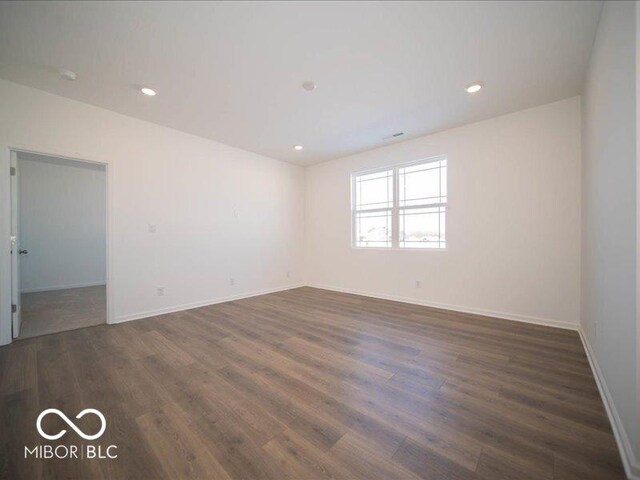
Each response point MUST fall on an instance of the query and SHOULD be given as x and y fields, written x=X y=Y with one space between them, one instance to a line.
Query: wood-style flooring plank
x=308 y=384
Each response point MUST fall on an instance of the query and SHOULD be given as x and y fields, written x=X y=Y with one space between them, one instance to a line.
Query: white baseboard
x=629 y=461
x=203 y=303
x=62 y=287
x=458 y=308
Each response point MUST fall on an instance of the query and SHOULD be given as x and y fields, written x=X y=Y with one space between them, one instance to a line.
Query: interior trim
x=630 y=463
x=63 y=287
x=203 y=303
x=458 y=308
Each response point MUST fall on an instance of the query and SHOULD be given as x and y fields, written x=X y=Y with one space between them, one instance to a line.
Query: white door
x=15 y=249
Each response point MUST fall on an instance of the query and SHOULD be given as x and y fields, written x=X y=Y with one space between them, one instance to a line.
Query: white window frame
x=395 y=209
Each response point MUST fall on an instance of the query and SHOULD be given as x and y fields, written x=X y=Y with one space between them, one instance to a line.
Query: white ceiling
x=232 y=72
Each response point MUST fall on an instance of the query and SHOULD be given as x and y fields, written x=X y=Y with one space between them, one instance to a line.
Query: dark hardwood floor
x=310 y=384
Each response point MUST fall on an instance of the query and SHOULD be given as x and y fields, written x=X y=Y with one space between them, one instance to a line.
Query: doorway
x=58 y=244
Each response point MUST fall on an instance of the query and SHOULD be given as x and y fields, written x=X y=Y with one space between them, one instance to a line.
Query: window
x=403 y=206
x=373 y=208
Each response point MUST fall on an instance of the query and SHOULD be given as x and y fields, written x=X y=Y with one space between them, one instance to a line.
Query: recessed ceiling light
x=148 y=91
x=298 y=147
x=474 y=87
x=309 y=86
x=67 y=74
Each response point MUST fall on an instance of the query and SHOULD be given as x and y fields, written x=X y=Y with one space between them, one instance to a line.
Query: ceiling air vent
x=395 y=135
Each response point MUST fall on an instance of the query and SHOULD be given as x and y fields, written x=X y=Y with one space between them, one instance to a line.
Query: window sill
x=398 y=249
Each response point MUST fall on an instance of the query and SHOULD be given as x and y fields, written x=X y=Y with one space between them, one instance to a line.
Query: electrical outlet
x=160 y=291
x=418 y=284
x=232 y=281
x=152 y=228
x=288 y=274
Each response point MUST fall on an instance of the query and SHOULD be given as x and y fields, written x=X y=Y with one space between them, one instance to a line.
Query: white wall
x=637 y=449
x=219 y=212
x=512 y=220
x=62 y=223
x=609 y=215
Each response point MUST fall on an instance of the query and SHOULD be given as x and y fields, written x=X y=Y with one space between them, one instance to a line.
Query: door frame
x=15 y=247
x=5 y=228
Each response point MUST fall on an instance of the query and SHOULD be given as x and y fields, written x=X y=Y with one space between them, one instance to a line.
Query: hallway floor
x=60 y=310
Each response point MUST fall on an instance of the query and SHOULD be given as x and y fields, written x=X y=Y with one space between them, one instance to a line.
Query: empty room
x=313 y=240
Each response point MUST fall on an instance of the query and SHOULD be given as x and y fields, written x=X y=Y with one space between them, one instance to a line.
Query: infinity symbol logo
x=71 y=424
